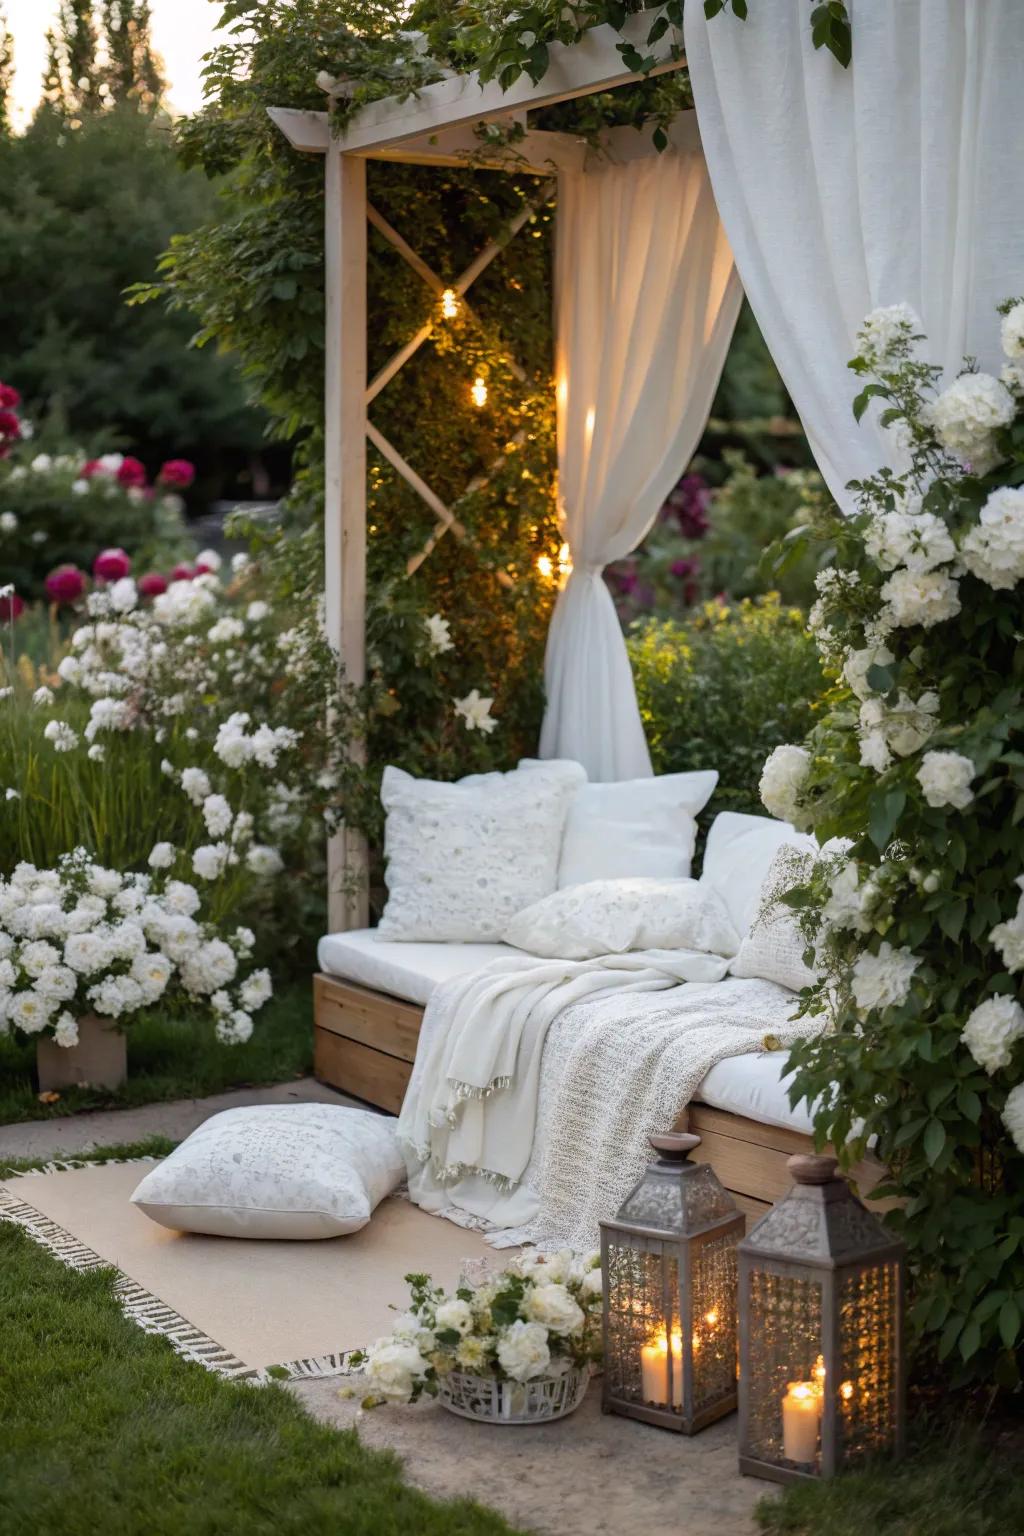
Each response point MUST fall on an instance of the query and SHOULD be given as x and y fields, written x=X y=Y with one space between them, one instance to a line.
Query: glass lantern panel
x=868 y=1401
x=785 y=1369
x=642 y=1286
x=714 y=1321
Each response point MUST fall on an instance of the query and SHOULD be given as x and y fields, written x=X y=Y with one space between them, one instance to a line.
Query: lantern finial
x=807 y=1168
x=674 y=1146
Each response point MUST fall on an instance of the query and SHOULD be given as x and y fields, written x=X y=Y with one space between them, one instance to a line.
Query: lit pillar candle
x=654 y=1365
x=801 y=1410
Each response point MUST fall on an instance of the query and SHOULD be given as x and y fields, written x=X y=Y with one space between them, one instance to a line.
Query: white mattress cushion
x=737 y=857
x=410 y=971
x=754 y=1086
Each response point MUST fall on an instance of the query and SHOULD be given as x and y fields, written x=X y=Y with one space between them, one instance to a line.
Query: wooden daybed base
x=365 y=1045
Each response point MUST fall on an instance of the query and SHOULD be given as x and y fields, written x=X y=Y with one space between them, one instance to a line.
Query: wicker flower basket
x=510 y=1402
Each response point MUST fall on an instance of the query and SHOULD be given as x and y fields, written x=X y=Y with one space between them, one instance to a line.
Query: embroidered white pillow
x=635 y=827
x=276 y=1171
x=464 y=858
x=610 y=917
x=774 y=948
x=737 y=857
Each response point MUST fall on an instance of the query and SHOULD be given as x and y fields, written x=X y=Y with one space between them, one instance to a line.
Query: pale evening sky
x=183 y=30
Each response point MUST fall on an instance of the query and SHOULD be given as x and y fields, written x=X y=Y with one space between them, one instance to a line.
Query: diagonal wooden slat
x=415 y=561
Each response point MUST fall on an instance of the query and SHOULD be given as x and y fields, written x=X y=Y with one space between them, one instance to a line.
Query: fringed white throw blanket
x=492 y=1140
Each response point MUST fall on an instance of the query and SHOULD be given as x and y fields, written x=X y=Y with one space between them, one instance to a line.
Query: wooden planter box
x=99 y=1060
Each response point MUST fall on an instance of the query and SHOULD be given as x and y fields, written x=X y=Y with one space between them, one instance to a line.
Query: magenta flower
x=131 y=472
x=177 y=474
x=111 y=564
x=11 y=607
x=65 y=584
x=152 y=584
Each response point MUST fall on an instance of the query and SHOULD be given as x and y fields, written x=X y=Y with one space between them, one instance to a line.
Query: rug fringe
x=147 y=1311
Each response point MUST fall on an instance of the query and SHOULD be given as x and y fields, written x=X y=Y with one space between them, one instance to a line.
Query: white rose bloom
x=177 y=936
x=859 y=663
x=883 y=980
x=991 y=1030
x=263 y=860
x=226 y=630
x=1008 y=937
x=593 y=1283
x=1013 y=1115
x=152 y=971
x=96 y=752
x=885 y=326
x=161 y=856
x=86 y=953
x=555 y=1308
x=968 y=413
x=782 y=780
x=195 y=784
x=115 y=995
x=454 y=1314
x=904 y=726
x=235 y=1029
x=29 y=1011
x=43 y=697
x=920 y=597
x=1011 y=332
x=1012 y=375
x=472 y=1354
x=920 y=542
x=38 y=957
x=244 y=939
x=220 y=1002
x=257 y=611
x=945 y=778
x=210 y=558
x=475 y=712
x=180 y=897
x=8 y=522
x=123 y=595
x=848 y=901
x=523 y=1351
x=216 y=814
x=256 y=990
x=57 y=984
x=993 y=550
x=65 y=1031
x=61 y=736
x=392 y=1368
x=439 y=634
x=104 y=882
x=210 y=861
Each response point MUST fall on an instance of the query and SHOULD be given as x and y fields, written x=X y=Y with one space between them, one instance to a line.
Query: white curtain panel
x=900 y=178
x=646 y=301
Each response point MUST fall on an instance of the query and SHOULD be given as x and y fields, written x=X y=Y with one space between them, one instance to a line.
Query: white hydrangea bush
x=80 y=939
x=538 y=1318
x=917 y=927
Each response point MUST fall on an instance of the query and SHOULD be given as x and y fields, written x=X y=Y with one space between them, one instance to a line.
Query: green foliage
x=724 y=688
x=86 y=213
x=106 y=1429
x=931 y=883
x=6 y=73
x=171 y=1057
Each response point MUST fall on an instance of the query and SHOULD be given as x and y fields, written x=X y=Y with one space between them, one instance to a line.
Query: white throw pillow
x=277 y=1171
x=773 y=950
x=635 y=827
x=464 y=858
x=737 y=856
x=610 y=917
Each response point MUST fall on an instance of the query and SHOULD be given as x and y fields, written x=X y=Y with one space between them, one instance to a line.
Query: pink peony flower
x=10 y=426
x=178 y=474
x=183 y=572
x=65 y=584
x=152 y=584
x=131 y=472
x=11 y=608
x=111 y=565
x=10 y=398
x=90 y=468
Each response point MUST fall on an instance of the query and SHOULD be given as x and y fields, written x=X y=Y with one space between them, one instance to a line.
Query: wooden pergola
x=438 y=127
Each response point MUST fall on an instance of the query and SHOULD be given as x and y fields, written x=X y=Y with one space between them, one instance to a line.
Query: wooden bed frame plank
x=365 y=1044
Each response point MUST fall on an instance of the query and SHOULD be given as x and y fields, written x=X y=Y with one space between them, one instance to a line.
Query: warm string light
x=449 y=304
x=479 y=393
x=553 y=567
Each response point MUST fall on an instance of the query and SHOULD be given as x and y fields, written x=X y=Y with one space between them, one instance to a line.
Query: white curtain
x=900 y=178
x=646 y=302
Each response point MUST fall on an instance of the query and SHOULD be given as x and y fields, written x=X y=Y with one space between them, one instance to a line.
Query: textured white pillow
x=635 y=827
x=609 y=917
x=773 y=950
x=277 y=1171
x=463 y=858
x=737 y=856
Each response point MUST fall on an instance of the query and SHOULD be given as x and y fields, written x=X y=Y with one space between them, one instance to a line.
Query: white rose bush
x=916 y=930
x=80 y=940
x=535 y=1320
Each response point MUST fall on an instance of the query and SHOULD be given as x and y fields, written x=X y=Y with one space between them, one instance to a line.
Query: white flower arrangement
x=782 y=780
x=81 y=939
x=539 y=1318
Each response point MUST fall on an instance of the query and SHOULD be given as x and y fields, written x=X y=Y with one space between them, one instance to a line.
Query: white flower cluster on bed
x=540 y=1317
x=81 y=939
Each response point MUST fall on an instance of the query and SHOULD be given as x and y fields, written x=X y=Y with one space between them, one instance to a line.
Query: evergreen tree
x=6 y=74
x=72 y=77
x=134 y=72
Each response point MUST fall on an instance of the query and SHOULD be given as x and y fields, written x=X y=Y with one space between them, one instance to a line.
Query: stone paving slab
x=177 y=1119
x=588 y=1475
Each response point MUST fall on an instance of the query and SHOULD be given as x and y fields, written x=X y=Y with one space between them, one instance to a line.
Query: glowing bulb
x=846 y=1391
x=449 y=304
x=479 y=393
x=711 y=1318
x=545 y=566
x=564 y=561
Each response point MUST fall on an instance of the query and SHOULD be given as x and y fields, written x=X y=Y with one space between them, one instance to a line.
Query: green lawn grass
x=106 y=1430
x=174 y=1059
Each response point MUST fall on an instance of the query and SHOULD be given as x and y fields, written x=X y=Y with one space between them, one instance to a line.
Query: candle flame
x=802 y=1390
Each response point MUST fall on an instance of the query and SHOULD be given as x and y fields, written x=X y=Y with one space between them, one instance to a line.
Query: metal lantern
x=821 y=1332
x=669 y=1266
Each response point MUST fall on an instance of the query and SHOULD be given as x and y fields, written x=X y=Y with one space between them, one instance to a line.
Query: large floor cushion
x=409 y=971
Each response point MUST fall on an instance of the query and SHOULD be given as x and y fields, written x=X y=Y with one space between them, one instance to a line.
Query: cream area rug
x=244 y=1308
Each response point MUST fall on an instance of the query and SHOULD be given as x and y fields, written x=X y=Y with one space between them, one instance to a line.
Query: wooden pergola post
x=345 y=486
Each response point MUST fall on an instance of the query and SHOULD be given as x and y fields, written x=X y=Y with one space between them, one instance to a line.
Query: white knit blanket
x=537 y=1083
